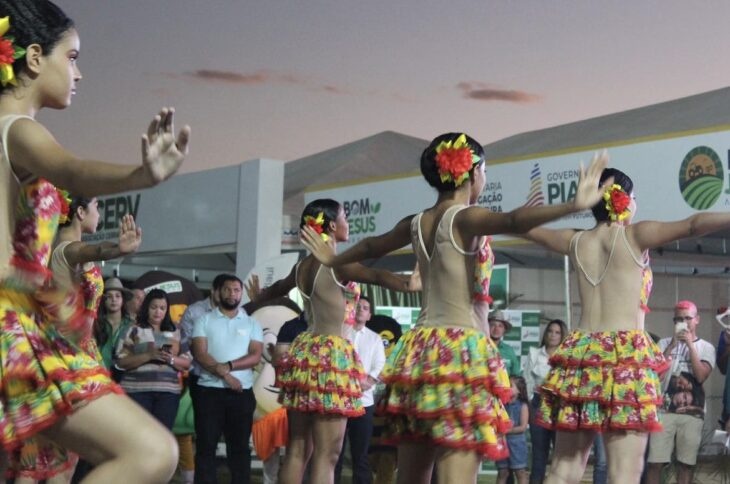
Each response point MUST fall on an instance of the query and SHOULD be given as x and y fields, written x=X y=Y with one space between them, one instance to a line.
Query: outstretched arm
x=380 y=277
x=34 y=151
x=368 y=248
x=481 y=221
x=650 y=234
x=278 y=289
x=130 y=236
x=555 y=240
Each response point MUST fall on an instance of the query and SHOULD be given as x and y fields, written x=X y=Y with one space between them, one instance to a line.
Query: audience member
x=113 y=323
x=682 y=431
x=723 y=351
x=227 y=343
x=519 y=414
x=369 y=347
x=134 y=302
x=498 y=327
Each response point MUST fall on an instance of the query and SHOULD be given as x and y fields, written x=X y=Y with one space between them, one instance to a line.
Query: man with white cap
x=499 y=325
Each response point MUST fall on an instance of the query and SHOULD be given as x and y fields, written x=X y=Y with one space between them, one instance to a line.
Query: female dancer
x=72 y=264
x=320 y=375
x=445 y=376
x=49 y=384
x=604 y=376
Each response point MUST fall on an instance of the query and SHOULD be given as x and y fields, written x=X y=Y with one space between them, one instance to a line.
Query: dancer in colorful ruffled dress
x=604 y=375
x=320 y=375
x=73 y=268
x=446 y=381
x=50 y=383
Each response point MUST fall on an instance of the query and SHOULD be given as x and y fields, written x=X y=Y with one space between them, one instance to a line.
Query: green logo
x=376 y=207
x=701 y=178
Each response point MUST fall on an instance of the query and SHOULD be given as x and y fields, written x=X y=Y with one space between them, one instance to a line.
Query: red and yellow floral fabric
x=483 y=271
x=603 y=381
x=321 y=374
x=447 y=385
x=44 y=376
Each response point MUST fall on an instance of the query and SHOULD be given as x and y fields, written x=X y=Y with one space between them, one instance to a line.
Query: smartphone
x=680 y=327
x=168 y=347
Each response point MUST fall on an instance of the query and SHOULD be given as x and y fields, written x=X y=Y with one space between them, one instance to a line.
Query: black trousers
x=359 y=432
x=223 y=411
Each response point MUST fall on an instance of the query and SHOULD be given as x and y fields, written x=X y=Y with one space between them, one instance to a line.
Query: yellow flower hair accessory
x=617 y=202
x=454 y=159
x=9 y=53
x=64 y=213
x=317 y=224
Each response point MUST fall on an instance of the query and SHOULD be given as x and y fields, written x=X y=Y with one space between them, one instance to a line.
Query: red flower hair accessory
x=617 y=202
x=9 y=52
x=317 y=224
x=454 y=159
x=65 y=198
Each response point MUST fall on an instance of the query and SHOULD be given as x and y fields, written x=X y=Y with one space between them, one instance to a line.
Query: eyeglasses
x=681 y=319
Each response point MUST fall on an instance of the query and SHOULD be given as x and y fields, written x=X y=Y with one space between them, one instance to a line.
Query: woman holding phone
x=150 y=355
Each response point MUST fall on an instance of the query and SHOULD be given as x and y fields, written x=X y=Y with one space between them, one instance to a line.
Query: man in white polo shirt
x=369 y=347
x=227 y=344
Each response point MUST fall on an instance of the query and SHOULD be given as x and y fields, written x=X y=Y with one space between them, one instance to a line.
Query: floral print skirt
x=446 y=386
x=606 y=380
x=321 y=374
x=42 y=375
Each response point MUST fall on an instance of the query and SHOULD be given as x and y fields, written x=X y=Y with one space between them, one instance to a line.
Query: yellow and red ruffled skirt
x=321 y=374
x=447 y=386
x=606 y=380
x=43 y=376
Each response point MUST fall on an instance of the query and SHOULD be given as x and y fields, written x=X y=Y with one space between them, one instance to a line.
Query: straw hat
x=499 y=316
x=114 y=284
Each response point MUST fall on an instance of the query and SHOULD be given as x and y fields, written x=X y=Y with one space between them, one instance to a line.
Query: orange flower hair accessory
x=317 y=224
x=617 y=202
x=65 y=198
x=9 y=52
x=454 y=159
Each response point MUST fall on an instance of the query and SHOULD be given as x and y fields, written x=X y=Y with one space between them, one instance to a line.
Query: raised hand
x=253 y=287
x=320 y=249
x=162 y=154
x=589 y=192
x=130 y=236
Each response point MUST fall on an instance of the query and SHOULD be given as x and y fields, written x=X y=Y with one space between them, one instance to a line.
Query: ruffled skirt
x=603 y=381
x=321 y=374
x=43 y=376
x=447 y=386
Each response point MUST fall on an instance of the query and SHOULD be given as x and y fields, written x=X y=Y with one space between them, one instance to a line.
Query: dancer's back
x=610 y=273
x=447 y=271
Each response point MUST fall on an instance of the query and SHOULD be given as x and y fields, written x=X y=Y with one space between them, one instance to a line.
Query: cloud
x=259 y=78
x=485 y=92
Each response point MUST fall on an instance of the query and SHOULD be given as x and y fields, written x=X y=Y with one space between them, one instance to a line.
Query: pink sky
x=283 y=79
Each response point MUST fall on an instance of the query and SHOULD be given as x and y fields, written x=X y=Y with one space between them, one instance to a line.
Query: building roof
x=386 y=153
x=691 y=113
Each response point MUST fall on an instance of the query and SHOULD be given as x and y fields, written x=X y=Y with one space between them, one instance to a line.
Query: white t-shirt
x=680 y=356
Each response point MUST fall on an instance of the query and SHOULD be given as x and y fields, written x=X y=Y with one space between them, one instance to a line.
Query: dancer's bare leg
x=625 y=455
x=328 y=432
x=415 y=463
x=456 y=466
x=570 y=456
x=125 y=442
x=299 y=448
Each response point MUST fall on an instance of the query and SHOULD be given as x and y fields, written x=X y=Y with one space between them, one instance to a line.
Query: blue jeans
x=162 y=405
x=600 y=466
x=542 y=439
